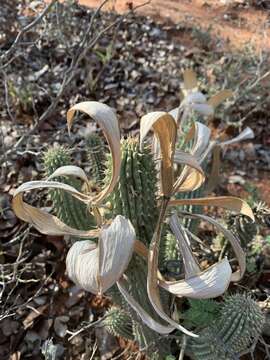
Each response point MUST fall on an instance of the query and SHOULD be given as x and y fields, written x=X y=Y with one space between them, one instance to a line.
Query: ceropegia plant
x=179 y=147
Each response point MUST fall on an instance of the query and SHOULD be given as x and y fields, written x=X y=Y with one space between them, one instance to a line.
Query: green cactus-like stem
x=135 y=195
x=119 y=323
x=240 y=322
x=135 y=198
x=70 y=210
x=96 y=157
x=169 y=256
x=148 y=340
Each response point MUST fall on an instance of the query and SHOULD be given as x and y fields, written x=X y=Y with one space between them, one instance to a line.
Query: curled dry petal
x=190 y=262
x=152 y=275
x=201 y=142
x=197 y=284
x=208 y=284
x=240 y=254
x=107 y=120
x=227 y=202
x=190 y=79
x=213 y=179
x=96 y=268
x=192 y=176
x=246 y=134
x=145 y=317
x=40 y=219
x=164 y=128
x=218 y=98
x=70 y=170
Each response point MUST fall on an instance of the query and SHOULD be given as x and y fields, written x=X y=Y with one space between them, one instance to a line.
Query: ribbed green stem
x=96 y=156
x=135 y=195
x=135 y=198
x=70 y=210
x=169 y=256
x=240 y=322
x=119 y=323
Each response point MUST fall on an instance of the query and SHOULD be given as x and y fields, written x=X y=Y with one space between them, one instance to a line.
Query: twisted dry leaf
x=192 y=176
x=207 y=284
x=107 y=120
x=96 y=268
x=164 y=128
x=197 y=284
x=195 y=100
x=144 y=316
x=152 y=275
x=70 y=170
x=202 y=137
x=218 y=98
x=40 y=219
x=240 y=254
x=191 y=264
x=246 y=134
x=227 y=202
x=190 y=79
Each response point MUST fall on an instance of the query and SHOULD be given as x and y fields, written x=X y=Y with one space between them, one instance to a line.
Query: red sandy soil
x=227 y=18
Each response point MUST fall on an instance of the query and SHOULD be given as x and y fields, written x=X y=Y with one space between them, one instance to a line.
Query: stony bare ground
x=135 y=68
x=236 y=22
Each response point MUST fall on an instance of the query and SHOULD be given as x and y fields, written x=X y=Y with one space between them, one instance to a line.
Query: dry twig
x=85 y=45
x=25 y=30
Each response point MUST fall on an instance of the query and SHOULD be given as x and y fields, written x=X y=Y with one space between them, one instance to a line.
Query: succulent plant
x=68 y=209
x=239 y=324
x=202 y=312
x=129 y=199
x=96 y=156
x=134 y=206
x=169 y=256
x=248 y=233
x=119 y=323
x=135 y=195
x=245 y=229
